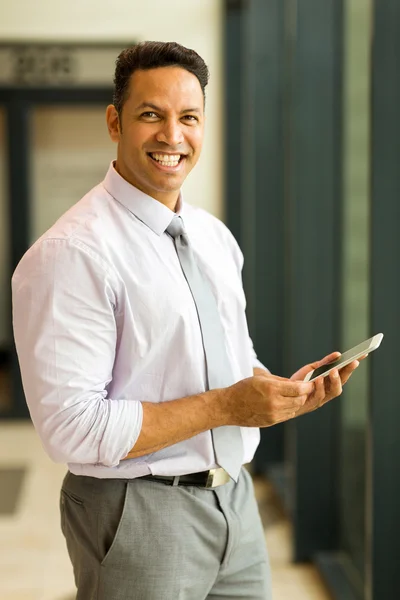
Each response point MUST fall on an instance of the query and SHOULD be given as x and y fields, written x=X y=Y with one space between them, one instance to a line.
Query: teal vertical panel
x=254 y=47
x=248 y=212
x=266 y=51
x=262 y=215
x=266 y=61
x=312 y=234
x=234 y=151
x=384 y=524
x=254 y=175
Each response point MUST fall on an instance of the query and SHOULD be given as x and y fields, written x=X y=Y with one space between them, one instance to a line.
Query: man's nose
x=171 y=133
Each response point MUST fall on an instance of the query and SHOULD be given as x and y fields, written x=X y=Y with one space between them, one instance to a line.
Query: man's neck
x=171 y=200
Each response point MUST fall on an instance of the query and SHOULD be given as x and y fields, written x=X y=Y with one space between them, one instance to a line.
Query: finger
x=320 y=392
x=331 y=357
x=300 y=375
x=335 y=387
x=316 y=399
x=300 y=401
x=290 y=407
x=291 y=389
x=326 y=360
x=347 y=371
x=290 y=414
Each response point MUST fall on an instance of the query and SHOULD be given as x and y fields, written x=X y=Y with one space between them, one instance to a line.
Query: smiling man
x=137 y=366
x=158 y=123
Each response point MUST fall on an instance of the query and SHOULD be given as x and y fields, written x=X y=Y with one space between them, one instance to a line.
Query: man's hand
x=264 y=400
x=326 y=388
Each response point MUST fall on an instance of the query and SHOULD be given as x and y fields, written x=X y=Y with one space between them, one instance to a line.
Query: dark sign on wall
x=53 y=64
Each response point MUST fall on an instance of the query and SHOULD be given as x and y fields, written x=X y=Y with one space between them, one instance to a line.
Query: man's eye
x=149 y=114
x=191 y=118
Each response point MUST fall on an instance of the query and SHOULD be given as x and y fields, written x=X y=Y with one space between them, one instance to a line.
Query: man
x=129 y=321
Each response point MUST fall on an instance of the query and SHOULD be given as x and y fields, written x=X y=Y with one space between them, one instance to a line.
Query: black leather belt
x=206 y=479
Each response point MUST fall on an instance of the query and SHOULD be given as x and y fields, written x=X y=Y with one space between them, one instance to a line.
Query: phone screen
x=361 y=348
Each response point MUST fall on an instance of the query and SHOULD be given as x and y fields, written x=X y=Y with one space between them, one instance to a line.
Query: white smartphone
x=347 y=357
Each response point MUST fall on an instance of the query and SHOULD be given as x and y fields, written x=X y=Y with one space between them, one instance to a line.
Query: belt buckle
x=217 y=477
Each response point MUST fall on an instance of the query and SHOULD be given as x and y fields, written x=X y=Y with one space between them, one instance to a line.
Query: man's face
x=161 y=131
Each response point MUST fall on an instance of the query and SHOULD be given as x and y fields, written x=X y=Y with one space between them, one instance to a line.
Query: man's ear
x=113 y=123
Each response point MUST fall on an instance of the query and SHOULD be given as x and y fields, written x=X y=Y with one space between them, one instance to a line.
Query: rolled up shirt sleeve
x=64 y=301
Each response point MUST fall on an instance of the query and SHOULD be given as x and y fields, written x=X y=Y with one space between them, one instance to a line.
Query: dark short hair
x=152 y=55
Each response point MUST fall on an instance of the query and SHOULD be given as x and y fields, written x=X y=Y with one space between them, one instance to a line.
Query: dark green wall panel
x=385 y=302
x=312 y=220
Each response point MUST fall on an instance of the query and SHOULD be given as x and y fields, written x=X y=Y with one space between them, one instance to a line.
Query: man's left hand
x=326 y=388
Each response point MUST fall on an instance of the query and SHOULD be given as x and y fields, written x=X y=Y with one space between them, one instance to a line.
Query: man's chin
x=160 y=190
x=167 y=185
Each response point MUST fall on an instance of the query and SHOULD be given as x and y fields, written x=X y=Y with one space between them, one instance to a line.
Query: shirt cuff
x=126 y=417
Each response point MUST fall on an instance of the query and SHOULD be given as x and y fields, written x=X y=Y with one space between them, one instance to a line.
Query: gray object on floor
x=11 y=481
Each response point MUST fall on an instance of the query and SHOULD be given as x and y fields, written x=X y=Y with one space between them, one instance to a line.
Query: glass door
x=70 y=154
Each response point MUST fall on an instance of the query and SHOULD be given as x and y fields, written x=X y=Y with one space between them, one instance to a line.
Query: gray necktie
x=228 y=445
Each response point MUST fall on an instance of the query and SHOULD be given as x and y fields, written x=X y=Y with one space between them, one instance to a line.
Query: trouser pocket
x=110 y=523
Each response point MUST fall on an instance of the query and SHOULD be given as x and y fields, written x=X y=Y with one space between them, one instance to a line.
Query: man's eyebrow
x=187 y=110
x=158 y=109
x=147 y=105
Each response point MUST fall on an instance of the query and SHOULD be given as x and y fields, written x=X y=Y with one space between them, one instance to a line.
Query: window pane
x=355 y=326
x=71 y=151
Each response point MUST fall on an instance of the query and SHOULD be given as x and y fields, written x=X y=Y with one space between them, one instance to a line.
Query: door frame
x=18 y=103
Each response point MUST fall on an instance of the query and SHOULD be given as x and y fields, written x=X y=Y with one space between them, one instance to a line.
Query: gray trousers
x=143 y=540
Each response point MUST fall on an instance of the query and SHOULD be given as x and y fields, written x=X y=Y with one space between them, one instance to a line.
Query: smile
x=167 y=162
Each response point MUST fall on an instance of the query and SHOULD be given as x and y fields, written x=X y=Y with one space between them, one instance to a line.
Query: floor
x=33 y=561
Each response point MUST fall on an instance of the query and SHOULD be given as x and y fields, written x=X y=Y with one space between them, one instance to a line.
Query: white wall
x=195 y=23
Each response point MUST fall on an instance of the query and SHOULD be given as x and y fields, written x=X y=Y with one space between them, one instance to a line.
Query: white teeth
x=167 y=157
x=167 y=160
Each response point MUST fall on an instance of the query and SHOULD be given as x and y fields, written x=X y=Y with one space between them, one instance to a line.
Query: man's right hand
x=259 y=401
x=264 y=400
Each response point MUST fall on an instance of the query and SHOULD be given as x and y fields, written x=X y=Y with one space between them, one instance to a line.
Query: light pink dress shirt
x=103 y=319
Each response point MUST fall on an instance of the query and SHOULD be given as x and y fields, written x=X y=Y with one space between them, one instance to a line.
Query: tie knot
x=176 y=227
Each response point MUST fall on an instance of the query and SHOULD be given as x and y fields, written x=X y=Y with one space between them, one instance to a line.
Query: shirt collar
x=150 y=211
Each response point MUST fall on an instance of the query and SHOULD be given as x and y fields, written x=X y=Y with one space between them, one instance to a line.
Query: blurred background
x=302 y=162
